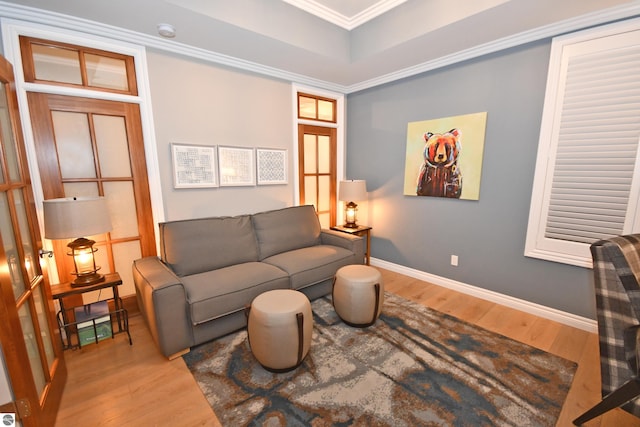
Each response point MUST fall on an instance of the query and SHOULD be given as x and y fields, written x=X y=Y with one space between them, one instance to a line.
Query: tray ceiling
x=344 y=43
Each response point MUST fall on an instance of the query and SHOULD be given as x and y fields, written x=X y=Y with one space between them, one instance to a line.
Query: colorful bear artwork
x=439 y=174
x=435 y=162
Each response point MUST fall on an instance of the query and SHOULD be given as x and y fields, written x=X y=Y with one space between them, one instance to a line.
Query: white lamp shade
x=73 y=217
x=352 y=191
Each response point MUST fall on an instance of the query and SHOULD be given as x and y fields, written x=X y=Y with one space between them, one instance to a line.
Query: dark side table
x=63 y=290
x=361 y=230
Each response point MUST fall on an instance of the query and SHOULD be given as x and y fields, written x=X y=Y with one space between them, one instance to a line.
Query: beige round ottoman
x=358 y=295
x=279 y=326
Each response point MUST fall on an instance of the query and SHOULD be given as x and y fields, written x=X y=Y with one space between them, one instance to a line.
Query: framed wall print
x=236 y=166
x=194 y=166
x=444 y=157
x=272 y=166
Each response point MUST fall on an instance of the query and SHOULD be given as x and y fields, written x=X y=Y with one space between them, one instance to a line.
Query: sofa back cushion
x=198 y=245
x=286 y=229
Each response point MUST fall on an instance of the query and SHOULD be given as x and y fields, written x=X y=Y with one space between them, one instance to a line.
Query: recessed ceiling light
x=166 y=30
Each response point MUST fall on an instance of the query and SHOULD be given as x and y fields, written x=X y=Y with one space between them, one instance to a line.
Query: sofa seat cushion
x=226 y=290
x=308 y=266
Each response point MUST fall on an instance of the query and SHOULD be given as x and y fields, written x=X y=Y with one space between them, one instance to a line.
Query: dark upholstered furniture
x=211 y=268
x=616 y=268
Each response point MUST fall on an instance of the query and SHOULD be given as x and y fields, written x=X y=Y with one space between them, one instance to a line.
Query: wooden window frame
x=26 y=44
x=318 y=98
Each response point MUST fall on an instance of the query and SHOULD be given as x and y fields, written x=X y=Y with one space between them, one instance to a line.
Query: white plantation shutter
x=597 y=146
x=586 y=185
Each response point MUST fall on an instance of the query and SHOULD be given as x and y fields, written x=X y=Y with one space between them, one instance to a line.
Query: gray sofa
x=209 y=269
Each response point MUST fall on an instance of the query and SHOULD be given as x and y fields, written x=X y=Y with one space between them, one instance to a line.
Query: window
x=586 y=183
x=314 y=107
x=46 y=61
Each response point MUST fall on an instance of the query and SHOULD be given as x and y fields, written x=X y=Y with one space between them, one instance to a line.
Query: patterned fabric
x=616 y=268
x=413 y=367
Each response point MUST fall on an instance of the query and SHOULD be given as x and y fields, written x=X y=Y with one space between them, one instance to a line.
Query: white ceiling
x=343 y=43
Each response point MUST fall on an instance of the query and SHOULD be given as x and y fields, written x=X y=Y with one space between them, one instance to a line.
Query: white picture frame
x=194 y=166
x=271 y=166
x=236 y=166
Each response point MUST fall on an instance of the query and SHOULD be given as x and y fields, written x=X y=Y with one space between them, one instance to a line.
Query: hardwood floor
x=114 y=384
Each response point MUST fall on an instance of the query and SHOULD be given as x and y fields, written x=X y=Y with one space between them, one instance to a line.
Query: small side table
x=63 y=290
x=361 y=230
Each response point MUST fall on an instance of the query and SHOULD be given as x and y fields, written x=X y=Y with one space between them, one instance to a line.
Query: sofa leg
x=179 y=353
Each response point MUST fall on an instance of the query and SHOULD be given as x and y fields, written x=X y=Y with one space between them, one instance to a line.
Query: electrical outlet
x=454 y=260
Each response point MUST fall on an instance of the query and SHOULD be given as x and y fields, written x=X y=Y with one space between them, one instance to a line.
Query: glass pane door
x=89 y=147
x=31 y=351
x=317 y=171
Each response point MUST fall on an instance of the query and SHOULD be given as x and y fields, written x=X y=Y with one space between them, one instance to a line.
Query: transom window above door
x=315 y=107
x=50 y=62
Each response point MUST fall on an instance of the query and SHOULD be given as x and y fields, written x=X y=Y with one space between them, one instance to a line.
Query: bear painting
x=437 y=158
x=440 y=174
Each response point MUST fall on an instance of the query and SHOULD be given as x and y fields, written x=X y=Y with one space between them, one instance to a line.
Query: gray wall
x=200 y=103
x=489 y=234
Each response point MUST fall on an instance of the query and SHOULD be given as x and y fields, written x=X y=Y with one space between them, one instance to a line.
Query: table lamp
x=73 y=218
x=351 y=191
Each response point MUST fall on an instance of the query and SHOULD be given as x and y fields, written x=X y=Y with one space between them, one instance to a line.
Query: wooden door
x=317 y=170
x=30 y=340
x=92 y=147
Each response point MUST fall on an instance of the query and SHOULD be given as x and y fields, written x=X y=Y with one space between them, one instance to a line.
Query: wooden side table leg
x=117 y=306
x=65 y=322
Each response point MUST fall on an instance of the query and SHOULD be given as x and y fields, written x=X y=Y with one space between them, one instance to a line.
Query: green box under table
x=93 y=320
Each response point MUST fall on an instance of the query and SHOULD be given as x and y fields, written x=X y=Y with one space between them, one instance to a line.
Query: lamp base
x=87 y=279
x=350 y=225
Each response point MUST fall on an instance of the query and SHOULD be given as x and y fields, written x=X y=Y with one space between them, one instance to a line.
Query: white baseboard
x=565 y=318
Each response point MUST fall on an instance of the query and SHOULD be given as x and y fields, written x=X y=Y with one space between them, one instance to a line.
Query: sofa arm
x=162 y=301
x=348 y=241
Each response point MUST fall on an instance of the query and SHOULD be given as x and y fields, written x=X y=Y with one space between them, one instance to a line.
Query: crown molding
x=75 y=24
x=70 y=23
x=547 y=31
x=373 y=12
x=340 y=20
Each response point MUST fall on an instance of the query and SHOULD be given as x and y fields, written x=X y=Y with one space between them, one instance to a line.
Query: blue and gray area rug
x=414 y=367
